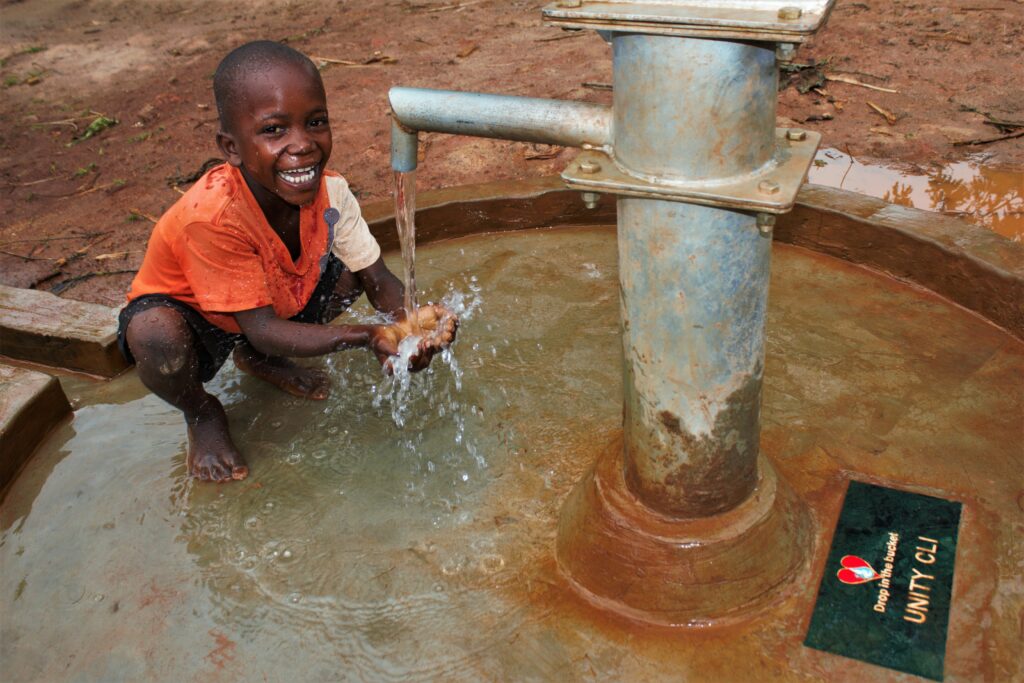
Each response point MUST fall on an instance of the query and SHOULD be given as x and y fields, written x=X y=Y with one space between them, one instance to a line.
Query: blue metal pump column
x=694 y=279
x=680 y=522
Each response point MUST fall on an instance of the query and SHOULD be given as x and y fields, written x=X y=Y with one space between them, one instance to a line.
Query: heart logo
x=856 y=570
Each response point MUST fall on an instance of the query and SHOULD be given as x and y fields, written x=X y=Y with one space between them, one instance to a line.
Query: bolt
x=790 y=13
x=590 y=199
x=785 y=52
x=589 y=167
x=768 y=187
x=796 y=135
x=765 y=223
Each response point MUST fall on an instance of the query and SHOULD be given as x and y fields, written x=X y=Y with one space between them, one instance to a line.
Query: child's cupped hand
x=437 y=327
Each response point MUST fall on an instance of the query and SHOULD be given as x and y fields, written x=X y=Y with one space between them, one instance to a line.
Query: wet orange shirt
x=215 y=251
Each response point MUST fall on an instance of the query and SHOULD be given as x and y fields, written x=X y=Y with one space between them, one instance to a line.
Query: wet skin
x=280 y=139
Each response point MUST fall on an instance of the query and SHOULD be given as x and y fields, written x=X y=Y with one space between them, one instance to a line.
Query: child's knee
x=161 y=341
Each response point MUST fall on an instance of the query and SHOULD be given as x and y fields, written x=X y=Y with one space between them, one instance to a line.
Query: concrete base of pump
x=624 y=557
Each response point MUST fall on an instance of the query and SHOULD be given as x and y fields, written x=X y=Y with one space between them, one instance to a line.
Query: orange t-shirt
x=215 y=251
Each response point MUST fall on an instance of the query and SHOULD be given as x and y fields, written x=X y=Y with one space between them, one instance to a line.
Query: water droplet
x=287 y=554
x=295 y=598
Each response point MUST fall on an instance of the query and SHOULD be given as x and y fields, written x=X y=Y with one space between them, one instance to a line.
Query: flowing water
x=405 y=219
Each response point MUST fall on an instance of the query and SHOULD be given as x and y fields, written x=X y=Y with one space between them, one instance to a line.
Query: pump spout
x=524 y=119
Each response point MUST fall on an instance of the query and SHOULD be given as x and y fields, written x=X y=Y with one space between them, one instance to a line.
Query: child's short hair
x=247 y=59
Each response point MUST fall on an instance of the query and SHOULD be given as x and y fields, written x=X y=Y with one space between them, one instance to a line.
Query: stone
x=43 y=328
x=31 y=405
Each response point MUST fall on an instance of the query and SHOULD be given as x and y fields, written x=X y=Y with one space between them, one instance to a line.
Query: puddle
x=984 y=195
x=359 y=549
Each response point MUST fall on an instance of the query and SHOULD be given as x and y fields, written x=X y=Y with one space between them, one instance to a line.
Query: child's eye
x=272 y=130
x=318 y=122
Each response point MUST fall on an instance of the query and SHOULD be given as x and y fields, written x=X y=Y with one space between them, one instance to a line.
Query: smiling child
x=257 y=256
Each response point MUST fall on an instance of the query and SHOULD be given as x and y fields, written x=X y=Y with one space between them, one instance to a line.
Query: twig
x=27 y=258
x=886 y=114
x=342 y=62
x=849 y=153
x=963 y=40
x=985 y=141
x=454 y=6
x=175 y=180
x=65 y=285
x=92 y=189
x=84 y=235
x=144 y=215
x=36 y=182
x=998 y=123
x=375 y=58
x=567 y=34
x=87 y=186
x=861 y=73
x=854 y=81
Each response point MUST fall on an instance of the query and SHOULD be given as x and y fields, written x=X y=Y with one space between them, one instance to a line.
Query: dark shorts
x=214 y=345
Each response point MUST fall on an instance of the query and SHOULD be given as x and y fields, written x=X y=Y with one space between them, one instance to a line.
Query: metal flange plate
x=773 y=191
x=785 y=21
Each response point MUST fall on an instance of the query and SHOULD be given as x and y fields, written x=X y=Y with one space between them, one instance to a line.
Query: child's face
x=280 y=136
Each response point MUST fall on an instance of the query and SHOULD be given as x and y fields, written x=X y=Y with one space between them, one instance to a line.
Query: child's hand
x=437 y=328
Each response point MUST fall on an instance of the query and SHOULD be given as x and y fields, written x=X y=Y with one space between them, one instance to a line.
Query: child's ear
x=229 y=148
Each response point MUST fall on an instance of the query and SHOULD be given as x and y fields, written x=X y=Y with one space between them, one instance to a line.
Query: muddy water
x=359 y=549
x=988 y=196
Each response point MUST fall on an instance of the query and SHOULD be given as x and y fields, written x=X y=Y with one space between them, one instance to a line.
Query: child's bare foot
x=212 y=455
x=283 y=373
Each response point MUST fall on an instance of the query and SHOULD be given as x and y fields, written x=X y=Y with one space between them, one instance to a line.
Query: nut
x=785 y=52
x=765 y=223
x=589 y=167
x=796 y=135
x=790 y=13
x=768 y=187
x=590 y=199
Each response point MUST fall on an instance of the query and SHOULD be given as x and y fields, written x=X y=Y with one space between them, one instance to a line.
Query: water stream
x=405 y=212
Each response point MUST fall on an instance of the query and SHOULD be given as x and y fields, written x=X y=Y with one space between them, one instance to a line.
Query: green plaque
x=886 y=589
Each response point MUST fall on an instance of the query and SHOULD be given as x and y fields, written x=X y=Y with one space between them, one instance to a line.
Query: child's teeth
x=299 y=175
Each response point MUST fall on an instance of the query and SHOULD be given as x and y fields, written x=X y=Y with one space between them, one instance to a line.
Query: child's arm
x=275 y=336
x=385 y=291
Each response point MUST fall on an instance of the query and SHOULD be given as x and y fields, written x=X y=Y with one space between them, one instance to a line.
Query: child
x=256 y=256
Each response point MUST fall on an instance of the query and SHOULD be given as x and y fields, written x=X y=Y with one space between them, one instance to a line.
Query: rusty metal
x=786 y=21
x=792 y=159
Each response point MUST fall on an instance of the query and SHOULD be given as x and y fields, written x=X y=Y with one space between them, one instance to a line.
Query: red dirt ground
x=84 y=210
